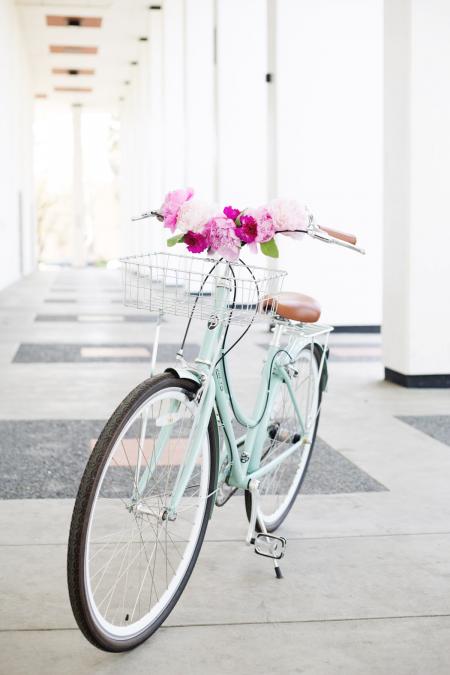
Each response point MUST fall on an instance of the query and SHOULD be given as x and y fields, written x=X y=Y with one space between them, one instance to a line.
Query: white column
x=241 y=101
x=416 y=320
x=156 y=121
x=143 y=123
x=126 y=247
x=128 y=200
x=135 y=143
x=174 y=115
x=199 y=96
x=156 y=94
x=143 y=145
x=271 y=78
x=79 y=234
x=134 y=154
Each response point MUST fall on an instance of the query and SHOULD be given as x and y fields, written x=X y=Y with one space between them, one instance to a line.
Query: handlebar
x=148 y=214
x=336 y=234
x=325 y=234
x=331 y=236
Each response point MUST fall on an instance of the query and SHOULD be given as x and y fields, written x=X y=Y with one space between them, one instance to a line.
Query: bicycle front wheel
x=287 y=424
x=129 y=555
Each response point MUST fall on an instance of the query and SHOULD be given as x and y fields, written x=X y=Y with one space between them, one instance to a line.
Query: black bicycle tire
x=248 y=497
x=84 y=501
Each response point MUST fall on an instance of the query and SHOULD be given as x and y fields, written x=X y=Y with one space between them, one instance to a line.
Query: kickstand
x=252 y=536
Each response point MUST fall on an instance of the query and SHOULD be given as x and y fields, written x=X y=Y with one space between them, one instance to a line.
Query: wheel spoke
x=136 y=553
x=279 y=486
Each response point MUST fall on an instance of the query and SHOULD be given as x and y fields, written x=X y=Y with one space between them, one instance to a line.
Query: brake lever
x=149 y=214
x=315 y=232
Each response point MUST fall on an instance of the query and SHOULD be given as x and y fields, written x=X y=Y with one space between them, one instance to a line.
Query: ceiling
x=88 y=63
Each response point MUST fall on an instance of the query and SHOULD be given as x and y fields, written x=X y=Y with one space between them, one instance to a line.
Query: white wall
x=17 y=229
x=328 y=131
x=329 y=90
x=211 y=132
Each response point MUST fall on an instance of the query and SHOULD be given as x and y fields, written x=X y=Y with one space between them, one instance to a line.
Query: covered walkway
x=368 y=542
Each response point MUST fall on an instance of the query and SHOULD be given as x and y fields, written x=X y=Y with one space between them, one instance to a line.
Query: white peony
x=194 y=214
x=288 y=215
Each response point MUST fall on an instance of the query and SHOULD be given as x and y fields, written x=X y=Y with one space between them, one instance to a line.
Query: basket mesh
x=183 y=285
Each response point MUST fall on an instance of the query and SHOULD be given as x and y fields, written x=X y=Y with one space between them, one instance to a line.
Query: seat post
x=276 y=337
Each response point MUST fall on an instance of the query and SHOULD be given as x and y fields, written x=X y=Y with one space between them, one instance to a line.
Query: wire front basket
x=186 y=285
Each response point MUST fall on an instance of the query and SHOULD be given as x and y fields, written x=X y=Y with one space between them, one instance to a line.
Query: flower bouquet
x=203 y=227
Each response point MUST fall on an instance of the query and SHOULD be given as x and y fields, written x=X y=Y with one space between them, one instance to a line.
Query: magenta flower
x=231 y=213
x=197 y=241
x=222 y=237
x=257 y=226
x=172 y=204
x=249 y=229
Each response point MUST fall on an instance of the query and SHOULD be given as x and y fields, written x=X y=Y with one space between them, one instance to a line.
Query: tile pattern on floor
x=42 y=459
x=95 y=318
x=436 y=426
x=84 y=353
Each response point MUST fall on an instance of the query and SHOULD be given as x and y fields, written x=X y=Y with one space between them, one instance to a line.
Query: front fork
x=163 y=437
x=196 y=438
x=195 y=441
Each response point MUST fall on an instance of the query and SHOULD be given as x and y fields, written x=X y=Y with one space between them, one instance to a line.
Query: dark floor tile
x=58 y=318
x=46 y=458
x=72 y=353
x=64 y=318
x=436 y=426
x=60 y=301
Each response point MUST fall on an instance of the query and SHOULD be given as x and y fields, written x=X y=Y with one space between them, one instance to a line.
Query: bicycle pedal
x=270 y=546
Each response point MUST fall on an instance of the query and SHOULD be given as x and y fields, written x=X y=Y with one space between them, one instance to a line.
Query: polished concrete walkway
x=367 y=568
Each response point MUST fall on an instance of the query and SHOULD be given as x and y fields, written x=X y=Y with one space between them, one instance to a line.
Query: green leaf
x=270 y=248
x=175 y=239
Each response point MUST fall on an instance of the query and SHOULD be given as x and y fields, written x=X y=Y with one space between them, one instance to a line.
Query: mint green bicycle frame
x=215 y=395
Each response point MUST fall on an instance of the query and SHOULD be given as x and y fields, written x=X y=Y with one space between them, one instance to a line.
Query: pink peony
x=197 y=241
x=231 y=213
x=222 y=237
x=288 y=216
x=256 y=227
x=194 y=214
x=172 y=204
x=264 y=224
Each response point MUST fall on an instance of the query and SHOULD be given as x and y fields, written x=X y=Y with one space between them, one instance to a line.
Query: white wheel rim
x=129 y=631
x=272 y=518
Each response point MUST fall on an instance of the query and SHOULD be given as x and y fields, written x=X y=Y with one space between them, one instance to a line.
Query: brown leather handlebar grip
x=349 y=238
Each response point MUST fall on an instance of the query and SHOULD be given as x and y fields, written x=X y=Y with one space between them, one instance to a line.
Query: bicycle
x=169 y=452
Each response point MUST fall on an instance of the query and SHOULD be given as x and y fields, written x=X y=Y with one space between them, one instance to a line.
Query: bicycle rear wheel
x=279 y=488
x=129 y=559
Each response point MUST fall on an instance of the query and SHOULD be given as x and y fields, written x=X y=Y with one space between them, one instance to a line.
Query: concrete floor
x=367 y=572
